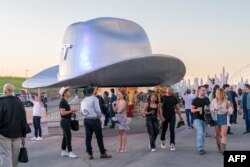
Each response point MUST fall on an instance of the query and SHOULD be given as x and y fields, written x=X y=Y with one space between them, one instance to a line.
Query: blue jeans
x=190 y=117
x=37 y=126
x=201 y=131
x=247 y=119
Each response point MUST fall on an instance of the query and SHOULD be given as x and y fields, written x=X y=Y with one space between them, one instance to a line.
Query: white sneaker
x=163 y=144
x=64 y=154
x=39 y=139
x=172 y=147
x=153 y=150
x=33 y=138
x=72 y=155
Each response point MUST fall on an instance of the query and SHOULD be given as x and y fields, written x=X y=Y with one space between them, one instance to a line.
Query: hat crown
x=62 y=90
x=100 y=42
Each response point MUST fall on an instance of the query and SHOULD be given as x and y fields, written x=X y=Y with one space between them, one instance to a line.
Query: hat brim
x=138 y=72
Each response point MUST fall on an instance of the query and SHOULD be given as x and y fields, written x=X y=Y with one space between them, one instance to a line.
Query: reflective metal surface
x=65 y=50
x=108 y=52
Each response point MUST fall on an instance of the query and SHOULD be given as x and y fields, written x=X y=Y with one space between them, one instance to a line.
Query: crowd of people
x=159 y=110
x=224 y=104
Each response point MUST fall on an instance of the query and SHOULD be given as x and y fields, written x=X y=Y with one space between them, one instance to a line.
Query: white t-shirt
x=37 y=108
x=188 y=99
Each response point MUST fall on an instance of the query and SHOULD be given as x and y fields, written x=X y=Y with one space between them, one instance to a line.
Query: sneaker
x=202 y=152
x=246 y=132
x=64 y=153
x=153 y=150
x=33 y=138
x=39 y=139
x=163 y=144
x=172 y=147
x=72 y=155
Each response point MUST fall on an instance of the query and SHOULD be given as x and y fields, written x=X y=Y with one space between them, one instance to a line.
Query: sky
x=204 y=34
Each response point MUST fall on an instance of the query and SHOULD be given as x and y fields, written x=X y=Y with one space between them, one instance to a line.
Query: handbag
x=74 y=124
x=209 y=118
x=23 y=154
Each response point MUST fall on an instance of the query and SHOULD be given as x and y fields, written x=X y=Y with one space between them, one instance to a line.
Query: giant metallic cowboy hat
x=108 y=52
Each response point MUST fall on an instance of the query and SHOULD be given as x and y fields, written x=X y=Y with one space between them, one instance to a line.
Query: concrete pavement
x=47 y=152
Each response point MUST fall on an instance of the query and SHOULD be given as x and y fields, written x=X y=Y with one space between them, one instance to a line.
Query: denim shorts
x=221 y=120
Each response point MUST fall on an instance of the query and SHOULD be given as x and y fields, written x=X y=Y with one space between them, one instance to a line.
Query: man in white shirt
x=90 y=108
x=188 y=99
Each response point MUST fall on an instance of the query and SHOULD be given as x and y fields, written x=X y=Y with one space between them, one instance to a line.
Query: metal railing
x=53 y=114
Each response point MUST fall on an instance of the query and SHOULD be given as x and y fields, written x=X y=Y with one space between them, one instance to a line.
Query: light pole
x=26 y=73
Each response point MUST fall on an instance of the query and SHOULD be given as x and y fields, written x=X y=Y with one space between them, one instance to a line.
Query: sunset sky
x=205 y=35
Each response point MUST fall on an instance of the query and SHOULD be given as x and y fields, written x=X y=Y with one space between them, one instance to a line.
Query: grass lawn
x=17 y=81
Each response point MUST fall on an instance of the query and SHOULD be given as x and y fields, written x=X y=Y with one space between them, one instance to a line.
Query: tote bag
x=23 y=154
x=74 y=124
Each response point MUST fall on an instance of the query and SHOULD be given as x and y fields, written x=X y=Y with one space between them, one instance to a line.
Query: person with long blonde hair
x=120 y=108
x=221 y=109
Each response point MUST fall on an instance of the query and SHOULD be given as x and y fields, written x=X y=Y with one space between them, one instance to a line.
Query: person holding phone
x=66 y=113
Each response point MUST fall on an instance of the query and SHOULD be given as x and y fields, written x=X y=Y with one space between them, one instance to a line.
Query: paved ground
x=47 y=152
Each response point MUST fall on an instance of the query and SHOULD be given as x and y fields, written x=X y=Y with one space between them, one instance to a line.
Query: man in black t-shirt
x=103 y=107
x=233 y=98
x=169 y=104
x=198 y=108
x=233 y=117
x=106 y=100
